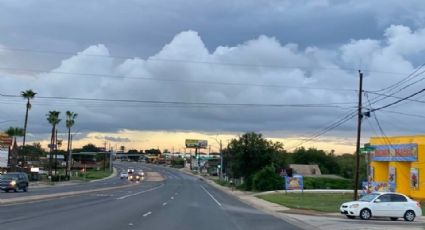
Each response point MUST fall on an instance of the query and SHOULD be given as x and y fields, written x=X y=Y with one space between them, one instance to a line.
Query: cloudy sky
x=150 y=73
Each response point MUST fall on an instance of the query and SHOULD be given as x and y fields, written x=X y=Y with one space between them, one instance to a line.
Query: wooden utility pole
x=359 y=128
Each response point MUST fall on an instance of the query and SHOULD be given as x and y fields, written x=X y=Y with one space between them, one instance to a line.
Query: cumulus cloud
x=257 y=71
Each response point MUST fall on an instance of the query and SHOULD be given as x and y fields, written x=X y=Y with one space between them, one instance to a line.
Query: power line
x=327 y=105
x=386 y=95
x=325 y=130
x=188 y=61
x=398 y=101
x=405 y=114
x=151 y=78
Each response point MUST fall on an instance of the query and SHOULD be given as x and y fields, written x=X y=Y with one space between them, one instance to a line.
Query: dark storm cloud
x=322 y=38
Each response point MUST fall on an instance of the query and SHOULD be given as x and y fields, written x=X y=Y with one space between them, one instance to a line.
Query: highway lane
x=111 y=182
x=179 y=202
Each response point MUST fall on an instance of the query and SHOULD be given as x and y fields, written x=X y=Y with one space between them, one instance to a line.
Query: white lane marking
x=212 y=197
x=147 y=214
x=138 y=193
x=176 y=193
x=130 y=224
x=172 y=197
x=165 y=203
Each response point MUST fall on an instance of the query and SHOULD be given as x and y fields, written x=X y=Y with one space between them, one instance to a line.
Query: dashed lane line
x=141 y=192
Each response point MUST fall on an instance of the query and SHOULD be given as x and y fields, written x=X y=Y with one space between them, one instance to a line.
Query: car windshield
x=8 y=177
x=369 y=197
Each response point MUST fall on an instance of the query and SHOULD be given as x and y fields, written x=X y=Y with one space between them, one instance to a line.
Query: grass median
x=323 y=202
x=92 y=175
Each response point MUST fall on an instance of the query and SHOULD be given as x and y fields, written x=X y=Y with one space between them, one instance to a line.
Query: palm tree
x=70 y=121
x=53 y=119
x=14 y=132
x=28 y=95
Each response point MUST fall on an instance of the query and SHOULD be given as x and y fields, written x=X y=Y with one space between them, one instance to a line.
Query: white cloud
x=186 y=61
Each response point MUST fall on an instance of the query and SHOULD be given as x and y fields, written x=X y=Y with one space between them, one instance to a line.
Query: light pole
x=221 y=157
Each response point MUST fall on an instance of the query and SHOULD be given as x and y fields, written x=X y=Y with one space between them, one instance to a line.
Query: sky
x=151 y=73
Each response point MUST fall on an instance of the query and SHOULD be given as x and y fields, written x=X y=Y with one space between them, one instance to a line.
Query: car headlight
x=354 y=206
x=137 y=177
x=13 y=183
x=143 y=174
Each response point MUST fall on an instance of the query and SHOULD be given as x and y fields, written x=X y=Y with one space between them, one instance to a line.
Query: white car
x=382 y=204
x=123 y=175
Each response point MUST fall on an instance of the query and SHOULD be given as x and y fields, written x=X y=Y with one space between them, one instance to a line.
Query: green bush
x=267 y=179
x=177 y=163
x=327 y=183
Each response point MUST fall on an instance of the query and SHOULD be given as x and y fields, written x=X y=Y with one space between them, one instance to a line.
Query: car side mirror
x=377 y=201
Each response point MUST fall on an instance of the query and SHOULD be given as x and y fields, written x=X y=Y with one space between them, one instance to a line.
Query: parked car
x=14 y=181
x=382 y=204
x=123 y=175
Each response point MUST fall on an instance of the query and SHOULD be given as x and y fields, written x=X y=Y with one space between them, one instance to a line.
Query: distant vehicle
x=382 y=204
x=123 y=175
x=134 y=177
x=14 y=181
x=130 y=170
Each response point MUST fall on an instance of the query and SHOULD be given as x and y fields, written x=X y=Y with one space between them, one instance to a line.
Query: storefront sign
x=401 y=152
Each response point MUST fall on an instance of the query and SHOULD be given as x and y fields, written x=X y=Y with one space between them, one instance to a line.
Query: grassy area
x=312 y=201
x=323 y=202
x=92 y=175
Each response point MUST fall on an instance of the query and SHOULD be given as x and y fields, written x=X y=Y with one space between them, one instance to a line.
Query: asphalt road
x=180 y=201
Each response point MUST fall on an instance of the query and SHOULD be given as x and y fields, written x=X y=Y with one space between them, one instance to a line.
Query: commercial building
x=400 y=162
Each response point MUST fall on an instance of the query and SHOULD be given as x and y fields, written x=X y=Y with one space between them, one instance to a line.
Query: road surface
x=180 y=201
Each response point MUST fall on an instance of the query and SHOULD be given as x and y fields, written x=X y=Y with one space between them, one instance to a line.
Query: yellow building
x=401 y=161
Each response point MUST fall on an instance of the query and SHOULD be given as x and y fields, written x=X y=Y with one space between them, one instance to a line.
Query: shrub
x=177 y=163
x=326 y=183
x=267 y=179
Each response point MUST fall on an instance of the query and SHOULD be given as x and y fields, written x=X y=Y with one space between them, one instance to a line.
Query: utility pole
x=221 y=160
x=359 y=127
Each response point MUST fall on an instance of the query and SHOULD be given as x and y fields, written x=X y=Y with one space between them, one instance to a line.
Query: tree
x=70 y=121
x=326 y=162
x=267 y=179
x=28 y=95
x=251 y=153
x=90 y=148
x=53 y=119
x=14 y=132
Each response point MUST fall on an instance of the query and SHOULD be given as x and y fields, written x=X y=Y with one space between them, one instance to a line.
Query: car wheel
x=350 y=217
x=25 y=189
x=365 y=214
x=7 y=190
x=393 y=218
x=409 y=215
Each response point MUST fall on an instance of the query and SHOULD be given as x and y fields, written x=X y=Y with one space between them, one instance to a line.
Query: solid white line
x=138 y=193
x=212 y=197
x=165 y=203
x=147 y=214
x=172 y=197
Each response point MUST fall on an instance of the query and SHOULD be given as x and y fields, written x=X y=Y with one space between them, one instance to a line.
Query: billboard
x=5 y=140
x=193 y=143
x=400 y=152
x=294 y=183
